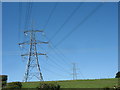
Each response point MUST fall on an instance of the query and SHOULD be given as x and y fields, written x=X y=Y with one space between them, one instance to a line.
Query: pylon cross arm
x=26 y=43
x=33 y=54
x=33 y=31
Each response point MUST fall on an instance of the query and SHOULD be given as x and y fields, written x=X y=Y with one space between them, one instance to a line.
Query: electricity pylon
x=33 y=66
x=74 y=71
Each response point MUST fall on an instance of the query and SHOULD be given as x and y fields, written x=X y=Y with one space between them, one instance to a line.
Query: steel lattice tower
x=32 y=67
x=74 y=72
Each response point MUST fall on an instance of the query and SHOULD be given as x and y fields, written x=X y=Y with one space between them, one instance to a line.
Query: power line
x=19 y=21
x=27 y=18
x=55 y=63
x=50 y=15
x=51 y=71
x=56 y=52
x=74 y=11
x=82 y=74
x=59 y=54
x=28 y=14
x=58 y=65
x=53 y=49
x=67 y=20
x=75 y=28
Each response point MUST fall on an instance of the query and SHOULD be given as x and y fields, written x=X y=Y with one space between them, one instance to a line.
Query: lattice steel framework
x=74 y=72
x=33 y=66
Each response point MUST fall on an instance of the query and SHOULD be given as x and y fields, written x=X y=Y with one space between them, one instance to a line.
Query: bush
x=14 y=85
x=49 y=86
x=4 y=83
x=3 y=77
x=117 y=75
x=3 y=80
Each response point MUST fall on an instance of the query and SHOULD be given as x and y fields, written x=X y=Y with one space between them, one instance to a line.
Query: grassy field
x=91 y=83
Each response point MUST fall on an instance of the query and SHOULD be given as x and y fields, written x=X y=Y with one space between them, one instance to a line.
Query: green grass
x=92 y=83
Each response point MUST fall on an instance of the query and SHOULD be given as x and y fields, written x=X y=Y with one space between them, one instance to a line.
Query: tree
x=3 y=80
x=117 y=75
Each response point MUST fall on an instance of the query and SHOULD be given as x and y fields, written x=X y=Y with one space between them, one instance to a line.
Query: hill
x=89 y=83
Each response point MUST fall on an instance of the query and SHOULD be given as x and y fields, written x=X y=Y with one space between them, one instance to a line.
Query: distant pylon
x=74 y=71
x=32 y=67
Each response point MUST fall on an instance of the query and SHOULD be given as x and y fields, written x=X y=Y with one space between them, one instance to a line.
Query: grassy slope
x=97 y=83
